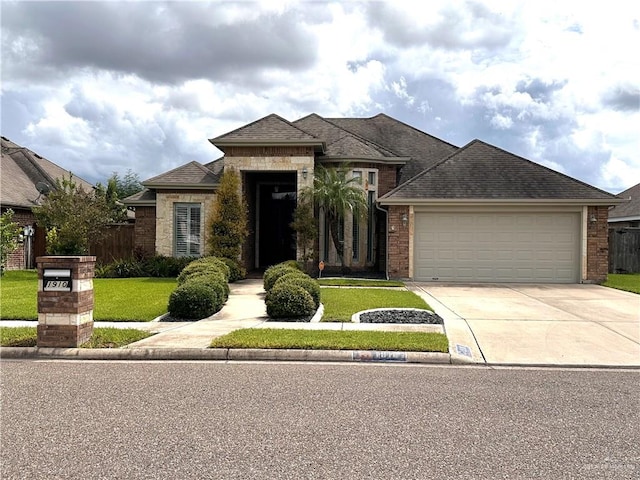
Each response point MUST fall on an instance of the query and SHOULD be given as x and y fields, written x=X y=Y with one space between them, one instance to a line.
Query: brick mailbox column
x=65 y=300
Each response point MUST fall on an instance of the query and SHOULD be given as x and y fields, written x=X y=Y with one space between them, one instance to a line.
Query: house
x=26 y=177
x=624 y=233
x=437 y=212
x=627 y=214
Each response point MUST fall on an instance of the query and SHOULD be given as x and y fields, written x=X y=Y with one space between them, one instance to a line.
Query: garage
x=497 y=246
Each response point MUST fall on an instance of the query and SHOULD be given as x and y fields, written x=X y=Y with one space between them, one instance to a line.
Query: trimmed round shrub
x=217 y=262
x=292 y=264
x=204 y=267
x=236 y=271
x=193 y=300
x=274 y=272
x=215 y=280
x=305 y=281
x=289 y=300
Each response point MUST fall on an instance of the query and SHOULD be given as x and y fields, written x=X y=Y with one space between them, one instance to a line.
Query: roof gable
x=629 y=209
x=191 y=175
x=480 y=171
x=269 y=130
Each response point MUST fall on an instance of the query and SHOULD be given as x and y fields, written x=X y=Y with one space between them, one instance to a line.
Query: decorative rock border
x=435 y=319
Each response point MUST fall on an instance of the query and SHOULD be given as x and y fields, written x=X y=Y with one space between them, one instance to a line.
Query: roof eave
x=632 y=218
x=182 y=186
x=380 y=160
x=498 y=201
x=267 y=142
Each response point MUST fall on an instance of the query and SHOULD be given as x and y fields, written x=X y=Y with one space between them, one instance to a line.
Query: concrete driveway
x=520 y=324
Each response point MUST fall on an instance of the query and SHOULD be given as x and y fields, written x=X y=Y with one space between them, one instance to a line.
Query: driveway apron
x=523 y=324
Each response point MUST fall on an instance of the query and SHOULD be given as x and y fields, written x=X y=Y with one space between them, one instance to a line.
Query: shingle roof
x=630 y=209
x=484 y=172
x=193 y=174
x=272 y=129
x=144 y=197
x=425 y=150
x=341 y=142
x=22 y=170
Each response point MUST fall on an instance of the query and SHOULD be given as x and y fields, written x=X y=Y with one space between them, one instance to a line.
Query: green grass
x=624 y=281
x=333 y=340
x=349 y=282
x=116 y=299
x=341 y=303
x=101 y=338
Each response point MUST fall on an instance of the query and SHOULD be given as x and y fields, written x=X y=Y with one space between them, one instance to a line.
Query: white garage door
x=497 y=247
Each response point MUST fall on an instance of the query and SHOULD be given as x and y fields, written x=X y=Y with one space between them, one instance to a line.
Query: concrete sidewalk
x=522 y=324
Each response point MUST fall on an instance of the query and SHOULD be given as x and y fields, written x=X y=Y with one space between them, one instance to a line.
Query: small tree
x=228 y=220
x=306 y=226
x=72 y=217
x=9 y=231
x=109 y=195
x=337 y=193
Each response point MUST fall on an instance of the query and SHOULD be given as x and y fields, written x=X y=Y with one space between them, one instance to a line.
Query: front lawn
x=333 y=340
x=101 y=338
x=116 y=299
x=341 y=303
x=356 y=282
x=624 y=281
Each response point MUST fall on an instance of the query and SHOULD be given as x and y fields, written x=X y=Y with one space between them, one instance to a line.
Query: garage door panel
x=497 y=247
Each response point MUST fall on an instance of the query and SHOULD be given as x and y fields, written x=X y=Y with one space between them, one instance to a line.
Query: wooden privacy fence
x=624 y=250
x=118 y=243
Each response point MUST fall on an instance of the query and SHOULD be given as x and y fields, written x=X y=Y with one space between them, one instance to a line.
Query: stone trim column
x=65 y=312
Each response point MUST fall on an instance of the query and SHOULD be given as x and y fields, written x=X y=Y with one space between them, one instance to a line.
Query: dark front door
x=277 y=240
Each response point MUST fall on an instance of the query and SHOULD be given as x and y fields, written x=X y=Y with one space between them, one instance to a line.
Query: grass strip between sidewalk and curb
x=333 y=340
x=116 y=299
x=341 y=303
x=629 y=282
x=101 y=338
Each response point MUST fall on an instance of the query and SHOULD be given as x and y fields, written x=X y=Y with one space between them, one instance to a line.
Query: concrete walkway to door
x=520 y=324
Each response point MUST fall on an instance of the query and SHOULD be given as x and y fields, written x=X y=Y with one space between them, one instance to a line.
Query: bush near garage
x=274 y=272
x=305 y=281
x=289 y=300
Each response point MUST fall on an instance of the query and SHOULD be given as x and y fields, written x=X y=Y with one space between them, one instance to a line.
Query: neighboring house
x=627 y=214
x=436 y=212
x=624 y=233
x=25 y=177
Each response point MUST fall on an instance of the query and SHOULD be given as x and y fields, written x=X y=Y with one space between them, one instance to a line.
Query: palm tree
x=337 y=193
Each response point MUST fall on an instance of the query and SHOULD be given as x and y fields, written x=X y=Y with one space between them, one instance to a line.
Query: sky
x=104 y=87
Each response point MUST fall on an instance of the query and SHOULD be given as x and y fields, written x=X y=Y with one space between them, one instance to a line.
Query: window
x=186 y=230
x=371 y=200
x=355 y=234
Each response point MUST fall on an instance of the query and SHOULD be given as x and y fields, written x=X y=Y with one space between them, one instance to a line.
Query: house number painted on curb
x=56 y=280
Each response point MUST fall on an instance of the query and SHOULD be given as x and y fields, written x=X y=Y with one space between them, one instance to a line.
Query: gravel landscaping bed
x=398 y=315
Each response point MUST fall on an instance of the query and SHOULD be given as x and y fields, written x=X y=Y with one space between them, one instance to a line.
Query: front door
x=275 y=237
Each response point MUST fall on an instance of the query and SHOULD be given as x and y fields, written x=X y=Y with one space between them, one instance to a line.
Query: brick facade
x=145 y=230
x=399 y=255
x=65 y=319
x=597 y=244
x=18 y=259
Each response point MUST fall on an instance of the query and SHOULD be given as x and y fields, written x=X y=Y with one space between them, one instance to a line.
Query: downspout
x=386 y=242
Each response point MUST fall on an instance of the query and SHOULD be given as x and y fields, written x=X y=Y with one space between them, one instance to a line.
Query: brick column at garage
x=65 y=312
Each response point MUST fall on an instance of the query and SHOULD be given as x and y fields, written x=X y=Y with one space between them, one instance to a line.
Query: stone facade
x=165 y=201
x=65 y=318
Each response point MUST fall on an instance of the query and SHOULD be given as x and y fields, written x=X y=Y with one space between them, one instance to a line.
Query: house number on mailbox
x=56 y=280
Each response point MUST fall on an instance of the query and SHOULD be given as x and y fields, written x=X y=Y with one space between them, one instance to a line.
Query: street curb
x=226 y=354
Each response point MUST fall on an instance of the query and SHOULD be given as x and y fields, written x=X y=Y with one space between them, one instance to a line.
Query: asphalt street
x=139 y=420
